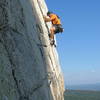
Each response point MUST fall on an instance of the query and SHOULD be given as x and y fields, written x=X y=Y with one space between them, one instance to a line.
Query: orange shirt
x=55 y=19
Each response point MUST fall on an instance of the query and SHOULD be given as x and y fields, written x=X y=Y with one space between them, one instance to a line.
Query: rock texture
x=29 y=65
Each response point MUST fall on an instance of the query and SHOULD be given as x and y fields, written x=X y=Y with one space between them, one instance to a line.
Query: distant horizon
x=93 y=87
x=84 y=84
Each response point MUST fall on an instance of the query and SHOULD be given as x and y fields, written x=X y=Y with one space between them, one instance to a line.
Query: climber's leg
x=52 y=31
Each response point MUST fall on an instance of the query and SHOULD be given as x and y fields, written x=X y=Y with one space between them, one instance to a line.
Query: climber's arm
x=47 y=19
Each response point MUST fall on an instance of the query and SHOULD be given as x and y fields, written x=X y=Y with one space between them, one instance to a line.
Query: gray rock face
x=29 y=65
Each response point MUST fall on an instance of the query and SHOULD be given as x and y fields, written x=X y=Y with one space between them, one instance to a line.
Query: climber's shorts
x=58 y=28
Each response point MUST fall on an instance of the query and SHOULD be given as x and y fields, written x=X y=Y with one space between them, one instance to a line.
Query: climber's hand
x=44 y=17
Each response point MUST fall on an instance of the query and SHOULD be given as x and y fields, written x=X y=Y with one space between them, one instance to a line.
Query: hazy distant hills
x=81 y=95
x=95 y=87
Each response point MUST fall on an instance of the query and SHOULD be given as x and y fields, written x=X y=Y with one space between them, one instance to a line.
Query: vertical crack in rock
x=3 y=28
x=12 y=67
x=40 y=30
x=43 y=15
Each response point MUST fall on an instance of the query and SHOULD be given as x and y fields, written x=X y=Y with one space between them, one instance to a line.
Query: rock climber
x=56 y=25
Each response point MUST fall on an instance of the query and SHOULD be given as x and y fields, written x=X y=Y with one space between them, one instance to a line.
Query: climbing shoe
x=52 y=42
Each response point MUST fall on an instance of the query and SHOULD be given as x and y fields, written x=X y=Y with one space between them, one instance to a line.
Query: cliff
x=29 y=65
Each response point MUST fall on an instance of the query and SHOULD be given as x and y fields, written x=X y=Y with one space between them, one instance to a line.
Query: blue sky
x=79 y=45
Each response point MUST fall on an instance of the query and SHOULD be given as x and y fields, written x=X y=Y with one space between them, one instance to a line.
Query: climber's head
x=49 y=12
